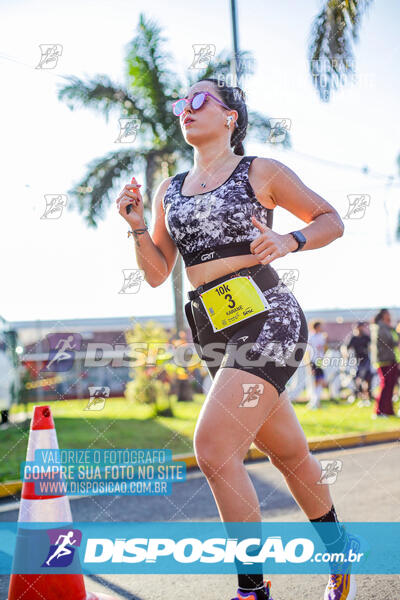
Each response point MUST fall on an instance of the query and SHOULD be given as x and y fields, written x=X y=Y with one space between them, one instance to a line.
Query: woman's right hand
x=131 y=196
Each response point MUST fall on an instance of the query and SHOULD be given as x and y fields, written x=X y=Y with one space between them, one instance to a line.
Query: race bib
x=232 y=301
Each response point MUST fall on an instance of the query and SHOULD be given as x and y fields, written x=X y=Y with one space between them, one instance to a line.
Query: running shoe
x=341 y=587
x=259 y=595
x=342 y=584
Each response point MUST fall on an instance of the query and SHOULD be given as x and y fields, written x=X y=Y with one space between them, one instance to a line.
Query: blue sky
x=61 y=269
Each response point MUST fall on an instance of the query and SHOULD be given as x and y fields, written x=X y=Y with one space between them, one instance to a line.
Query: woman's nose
x=187 y=110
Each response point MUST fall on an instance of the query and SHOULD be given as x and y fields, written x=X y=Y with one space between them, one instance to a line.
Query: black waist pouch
x=264 y=275
x=192 y=325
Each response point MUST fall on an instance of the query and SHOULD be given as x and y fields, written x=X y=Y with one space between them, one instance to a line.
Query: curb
x=330 y=442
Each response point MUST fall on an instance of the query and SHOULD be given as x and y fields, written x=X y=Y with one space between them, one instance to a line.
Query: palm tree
x=151 y=86
x=330 y=53
x=333 y=32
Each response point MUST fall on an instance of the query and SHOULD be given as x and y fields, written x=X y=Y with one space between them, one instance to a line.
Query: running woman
x=247 y=325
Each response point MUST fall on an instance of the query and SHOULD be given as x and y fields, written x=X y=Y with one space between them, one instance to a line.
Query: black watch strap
x=300 y=239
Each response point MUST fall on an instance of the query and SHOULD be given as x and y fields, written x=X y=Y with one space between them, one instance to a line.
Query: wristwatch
x=300 y=239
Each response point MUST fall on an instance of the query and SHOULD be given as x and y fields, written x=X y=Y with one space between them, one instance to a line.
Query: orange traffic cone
x=45 y=509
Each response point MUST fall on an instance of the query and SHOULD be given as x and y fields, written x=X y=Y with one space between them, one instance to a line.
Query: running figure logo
x=50 y=54
x=278 y=130
x=128 y=129
x=98 y=395
x=55 y=204
x=251 y=394
x=357 y=206
x=62 y=351
x=203 y=53
x=63 y=543
x=132 y=281
x=201 y=208
x=287 y=279
x=330 y=471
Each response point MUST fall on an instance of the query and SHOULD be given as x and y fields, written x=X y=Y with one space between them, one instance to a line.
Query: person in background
x=318 y=343
x=385 y=354
x=360 y=343
x=180 y=339
x=396 y=393
x=6 y=379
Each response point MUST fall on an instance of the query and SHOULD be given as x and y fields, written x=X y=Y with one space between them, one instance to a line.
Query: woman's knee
x=291 y=460
x=212 y=454
x=204 y=449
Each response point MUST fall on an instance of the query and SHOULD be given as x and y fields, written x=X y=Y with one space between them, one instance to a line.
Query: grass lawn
x=123 y=424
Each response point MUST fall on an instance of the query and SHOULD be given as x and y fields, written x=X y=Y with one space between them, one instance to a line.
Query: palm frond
x=147 y=66
x=267 y=130
x=93 y=194
x=333 y=32
x=221 y=66
x=99 y=93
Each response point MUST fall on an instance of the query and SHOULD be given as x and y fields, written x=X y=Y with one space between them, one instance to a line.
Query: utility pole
x=235 y=58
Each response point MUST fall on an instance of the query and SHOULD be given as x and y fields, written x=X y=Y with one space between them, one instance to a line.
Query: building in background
x=102 y=341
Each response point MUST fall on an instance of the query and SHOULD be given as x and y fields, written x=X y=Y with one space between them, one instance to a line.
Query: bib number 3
x=233 y=301
x=221 y=291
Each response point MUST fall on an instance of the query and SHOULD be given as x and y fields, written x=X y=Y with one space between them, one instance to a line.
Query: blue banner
x=199 y=547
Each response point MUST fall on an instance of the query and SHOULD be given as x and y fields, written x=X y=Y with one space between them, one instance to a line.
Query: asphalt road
x=367 y=489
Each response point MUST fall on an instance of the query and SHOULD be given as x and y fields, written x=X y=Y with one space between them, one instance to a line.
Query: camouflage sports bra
x=215 y=224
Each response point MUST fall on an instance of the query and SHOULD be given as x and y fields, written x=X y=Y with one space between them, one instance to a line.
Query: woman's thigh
x=281 y=436
x=237 y=404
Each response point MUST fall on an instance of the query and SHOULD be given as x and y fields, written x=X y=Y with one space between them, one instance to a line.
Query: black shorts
x=317 y=372
x=364 y=370
x=270 y=345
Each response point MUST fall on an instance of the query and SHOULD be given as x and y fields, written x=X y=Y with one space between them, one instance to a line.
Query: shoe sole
x=353 y=588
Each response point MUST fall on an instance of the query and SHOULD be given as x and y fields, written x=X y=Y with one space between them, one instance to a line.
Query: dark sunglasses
x=196 y=102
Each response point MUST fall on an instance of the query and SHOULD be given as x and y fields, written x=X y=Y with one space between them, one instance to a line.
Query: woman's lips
x=188 y=122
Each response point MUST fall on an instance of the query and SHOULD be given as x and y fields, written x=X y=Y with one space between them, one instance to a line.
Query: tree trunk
x=155 y=162
x=177 y=286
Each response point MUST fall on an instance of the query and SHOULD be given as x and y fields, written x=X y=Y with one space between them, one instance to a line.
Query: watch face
x=299 y=237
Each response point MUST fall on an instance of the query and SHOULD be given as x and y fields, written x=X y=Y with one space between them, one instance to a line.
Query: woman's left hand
x=270 y=245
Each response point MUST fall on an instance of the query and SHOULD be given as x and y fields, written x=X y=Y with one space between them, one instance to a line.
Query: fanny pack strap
x=193 y=294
